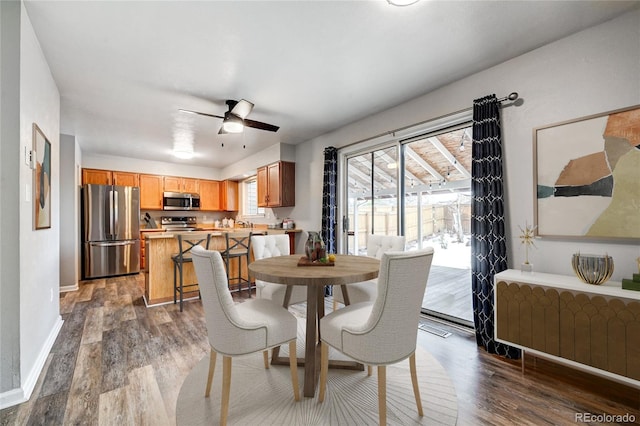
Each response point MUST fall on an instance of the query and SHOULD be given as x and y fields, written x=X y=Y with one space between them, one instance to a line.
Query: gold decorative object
x=527 y=238
x=591 y=268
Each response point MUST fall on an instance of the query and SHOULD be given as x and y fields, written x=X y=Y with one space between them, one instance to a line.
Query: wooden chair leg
x=212 y=367
x=324 y=368
x=382 y=394
x=293 y=365
x=335 y=305
x=226 y=389
x=265 y=357
x=369 y=370
x=414 y=380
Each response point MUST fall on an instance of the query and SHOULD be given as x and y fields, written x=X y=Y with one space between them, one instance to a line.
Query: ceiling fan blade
x=260 y=125
x=242 y=108
x=201 y=113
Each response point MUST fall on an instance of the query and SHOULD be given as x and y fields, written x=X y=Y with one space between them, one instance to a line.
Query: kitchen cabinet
x=179 y=184
x=276 y=185
x=108 y=177
x=210 y=195
x=151 y=188
x=125 y=178
x=97 y=177
x=229 y=195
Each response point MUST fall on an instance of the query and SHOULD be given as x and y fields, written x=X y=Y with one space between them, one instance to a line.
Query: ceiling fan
x=235 y=119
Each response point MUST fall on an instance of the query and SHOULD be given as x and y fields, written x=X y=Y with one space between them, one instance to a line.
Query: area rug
x=262 y=396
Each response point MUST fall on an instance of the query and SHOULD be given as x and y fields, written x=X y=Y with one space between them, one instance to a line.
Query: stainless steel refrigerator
x=110 y=230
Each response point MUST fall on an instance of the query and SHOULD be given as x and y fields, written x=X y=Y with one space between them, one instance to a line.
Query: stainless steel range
x=178 y=223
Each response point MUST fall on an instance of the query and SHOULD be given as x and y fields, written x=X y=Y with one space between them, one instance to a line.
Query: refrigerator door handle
x=110 y=230
x=115 y=214
x=111 y=244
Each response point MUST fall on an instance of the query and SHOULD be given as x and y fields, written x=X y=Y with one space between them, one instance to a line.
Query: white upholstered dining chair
x=366 y=291
x=239 y=329
x=382 y=332
x=265 y=246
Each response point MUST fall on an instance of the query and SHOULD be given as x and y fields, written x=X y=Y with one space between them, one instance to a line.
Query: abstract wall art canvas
x=587 y=177
x=41 y=180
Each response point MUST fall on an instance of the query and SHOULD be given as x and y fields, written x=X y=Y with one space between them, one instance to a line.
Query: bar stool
x=185 y=243
x=238 y=245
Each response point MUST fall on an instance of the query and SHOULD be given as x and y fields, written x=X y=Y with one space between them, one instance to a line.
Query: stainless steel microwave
x=180 y=201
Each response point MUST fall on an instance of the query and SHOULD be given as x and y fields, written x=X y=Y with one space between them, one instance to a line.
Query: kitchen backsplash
x=276 y=215
x=202 y=217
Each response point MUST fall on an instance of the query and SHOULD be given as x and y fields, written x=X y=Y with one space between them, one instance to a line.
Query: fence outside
x=437 y=221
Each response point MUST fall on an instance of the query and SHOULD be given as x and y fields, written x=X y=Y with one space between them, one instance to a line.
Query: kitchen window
x=250 y=198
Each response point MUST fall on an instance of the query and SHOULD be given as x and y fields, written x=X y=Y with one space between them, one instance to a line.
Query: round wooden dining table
x=347 y=269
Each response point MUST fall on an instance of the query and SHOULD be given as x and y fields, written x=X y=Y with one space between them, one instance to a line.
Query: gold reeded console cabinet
x=593 y=327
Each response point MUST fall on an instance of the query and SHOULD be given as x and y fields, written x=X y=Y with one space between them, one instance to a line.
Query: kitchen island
x=158 y=270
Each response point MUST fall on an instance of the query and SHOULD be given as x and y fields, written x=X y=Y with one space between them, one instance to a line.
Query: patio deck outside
x=448 y=292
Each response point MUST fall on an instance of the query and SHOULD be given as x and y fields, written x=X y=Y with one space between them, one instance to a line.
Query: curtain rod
x=511 y=97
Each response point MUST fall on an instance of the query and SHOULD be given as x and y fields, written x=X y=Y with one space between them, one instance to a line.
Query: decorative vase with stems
x=314 y=248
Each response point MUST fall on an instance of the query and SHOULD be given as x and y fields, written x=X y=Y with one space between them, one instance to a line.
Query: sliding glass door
x=437 y=213
x=419 y=188
x=372 y=197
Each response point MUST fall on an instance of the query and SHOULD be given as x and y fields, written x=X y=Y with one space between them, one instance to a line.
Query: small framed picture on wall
x=41 y=180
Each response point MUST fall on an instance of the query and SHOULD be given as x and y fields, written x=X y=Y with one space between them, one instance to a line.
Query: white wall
x=69 y=213
x=126 y=164
x=238 y=170
x=39 y=310
x=590 y=72
x=9 y=198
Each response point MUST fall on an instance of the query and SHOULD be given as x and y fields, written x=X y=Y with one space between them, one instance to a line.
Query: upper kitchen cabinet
x=97 y=177
x=151 y=187
x=210 y=195
x=277 y=185
x=179 y=184
x=125 y=179
x=108 y=177
x=229 y=195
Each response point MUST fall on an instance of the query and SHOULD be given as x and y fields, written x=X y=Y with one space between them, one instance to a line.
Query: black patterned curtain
x=330 y=199
x=330 y=204
x=488 y=244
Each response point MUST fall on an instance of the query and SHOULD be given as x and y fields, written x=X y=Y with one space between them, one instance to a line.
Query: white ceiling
x=125 y=68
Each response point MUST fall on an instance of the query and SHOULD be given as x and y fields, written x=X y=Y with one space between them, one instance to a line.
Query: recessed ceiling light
x=402 y=2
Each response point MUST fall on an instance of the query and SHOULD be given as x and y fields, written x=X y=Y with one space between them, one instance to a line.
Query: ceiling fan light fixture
x=232 y=124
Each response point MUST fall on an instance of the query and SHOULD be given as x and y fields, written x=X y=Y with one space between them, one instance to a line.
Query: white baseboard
x=11 y=398
x=68 y=288
x=23 y=393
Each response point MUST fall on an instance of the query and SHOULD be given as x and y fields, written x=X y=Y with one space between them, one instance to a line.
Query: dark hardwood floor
x=118 y=362
x=449 y=292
